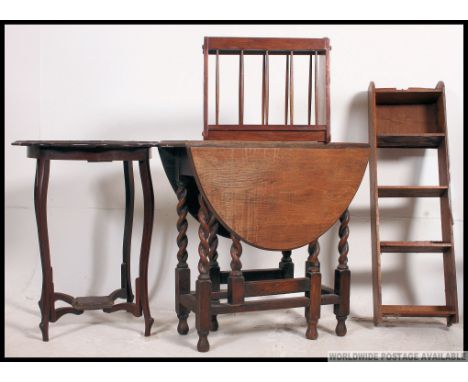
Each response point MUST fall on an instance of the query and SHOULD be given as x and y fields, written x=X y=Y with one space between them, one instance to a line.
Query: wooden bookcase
x=411 y=118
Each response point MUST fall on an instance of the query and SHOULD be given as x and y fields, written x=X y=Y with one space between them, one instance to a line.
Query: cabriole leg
x=142 y=282
x=125 y=276
x=342 y=277
x=46 y=302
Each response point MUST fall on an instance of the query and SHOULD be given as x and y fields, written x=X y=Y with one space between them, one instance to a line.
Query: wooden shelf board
x=261 y=134
x=414 y=246
x=93 y=303
x=422 y=140
x=411 y=191
x=290 y=128
x=416 y=311
x=389 y=96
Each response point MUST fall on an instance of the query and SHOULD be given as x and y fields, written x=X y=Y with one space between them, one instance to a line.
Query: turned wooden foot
x=214 y=324
x=182 y=327
x=341 y=327
x=311 y=333
x=203 y=345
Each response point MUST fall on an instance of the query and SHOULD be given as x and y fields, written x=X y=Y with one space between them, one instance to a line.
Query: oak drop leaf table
x=277 y=196
x=95 y=151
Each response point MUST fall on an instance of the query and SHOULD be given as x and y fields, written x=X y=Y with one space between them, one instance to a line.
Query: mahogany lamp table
x=95 y=151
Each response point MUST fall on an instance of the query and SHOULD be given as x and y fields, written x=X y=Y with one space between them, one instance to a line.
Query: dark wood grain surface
x=86 y=144
x=279 y=197
x=262 y=144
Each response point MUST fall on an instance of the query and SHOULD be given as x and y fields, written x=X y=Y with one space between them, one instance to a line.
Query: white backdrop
x=145 y=83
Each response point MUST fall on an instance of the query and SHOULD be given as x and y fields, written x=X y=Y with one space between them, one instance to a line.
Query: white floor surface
x=258 y=334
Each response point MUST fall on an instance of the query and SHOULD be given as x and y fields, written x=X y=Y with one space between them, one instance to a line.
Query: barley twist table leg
x=182 y=271
x=214 y=266
x=203 y=283
x=342 y=277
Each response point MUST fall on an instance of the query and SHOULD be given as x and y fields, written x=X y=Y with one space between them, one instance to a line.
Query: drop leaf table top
x=273 y=195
